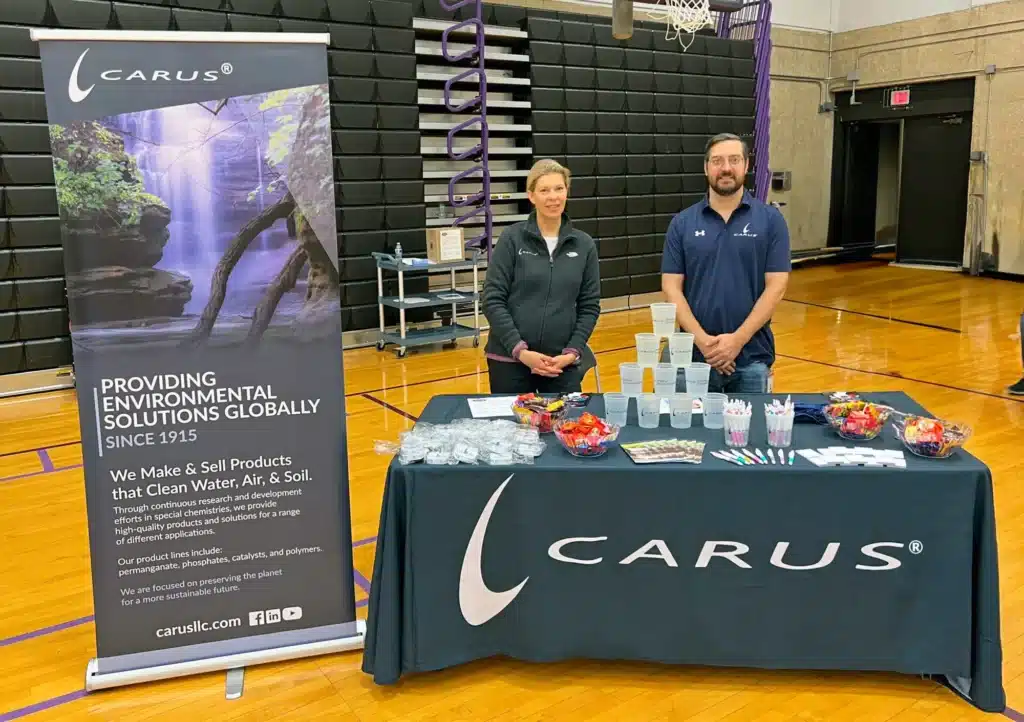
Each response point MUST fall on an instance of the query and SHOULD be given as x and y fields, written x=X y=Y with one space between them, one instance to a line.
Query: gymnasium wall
x=960 y=44
x=801 y=137
x=857 y=14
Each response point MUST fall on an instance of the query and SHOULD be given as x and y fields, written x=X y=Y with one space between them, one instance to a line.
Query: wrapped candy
x=932 y=438
x=588 y=435
x=537 y=411
x=857 y=420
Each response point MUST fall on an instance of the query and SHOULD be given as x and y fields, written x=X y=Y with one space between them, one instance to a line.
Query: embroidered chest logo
x=746 y=232
x=700 y=234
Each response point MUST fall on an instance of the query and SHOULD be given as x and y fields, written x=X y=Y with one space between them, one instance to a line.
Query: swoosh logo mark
x=478 y=603
x=76 y=94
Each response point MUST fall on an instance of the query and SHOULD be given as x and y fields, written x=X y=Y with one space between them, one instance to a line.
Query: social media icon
x=256 y=619
x=290 y=614
x=273 y=616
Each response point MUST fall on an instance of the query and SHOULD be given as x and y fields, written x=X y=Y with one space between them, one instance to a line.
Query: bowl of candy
x=587 y=436
x=539 y=412
x=857 y=420
x=931 y=438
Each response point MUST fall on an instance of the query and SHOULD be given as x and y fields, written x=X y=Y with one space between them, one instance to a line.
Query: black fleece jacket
x=550 y=303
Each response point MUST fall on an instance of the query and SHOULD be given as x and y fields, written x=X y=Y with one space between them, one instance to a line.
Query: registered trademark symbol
x=915 y=547
x=227 y=69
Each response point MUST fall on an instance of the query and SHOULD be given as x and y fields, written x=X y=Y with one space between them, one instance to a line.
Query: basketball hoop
x=683 y=17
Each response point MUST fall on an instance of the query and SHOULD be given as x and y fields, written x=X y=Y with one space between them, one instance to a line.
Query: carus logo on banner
x=126 y=75
x=479 y=604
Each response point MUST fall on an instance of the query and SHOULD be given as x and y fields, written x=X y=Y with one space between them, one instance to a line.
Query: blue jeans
x=749 y=379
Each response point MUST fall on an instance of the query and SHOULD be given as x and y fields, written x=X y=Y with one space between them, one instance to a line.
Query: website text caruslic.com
x=197 y=627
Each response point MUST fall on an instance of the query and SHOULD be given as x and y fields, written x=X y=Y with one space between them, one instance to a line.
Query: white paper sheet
x=491 y=406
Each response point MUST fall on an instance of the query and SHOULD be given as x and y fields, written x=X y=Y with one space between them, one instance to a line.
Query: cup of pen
x=780 y=429
x=736 y=423
x=778 y=418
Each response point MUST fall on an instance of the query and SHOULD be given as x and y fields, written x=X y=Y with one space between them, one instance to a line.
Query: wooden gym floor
x=943 y=338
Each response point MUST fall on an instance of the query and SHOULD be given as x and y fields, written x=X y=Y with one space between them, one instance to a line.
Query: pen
x=725 y=457
x=737 y=457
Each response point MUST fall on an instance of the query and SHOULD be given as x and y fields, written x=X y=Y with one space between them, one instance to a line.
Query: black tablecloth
x=605 y=559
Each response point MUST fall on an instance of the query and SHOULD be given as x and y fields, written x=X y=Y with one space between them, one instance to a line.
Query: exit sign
x=899 y=98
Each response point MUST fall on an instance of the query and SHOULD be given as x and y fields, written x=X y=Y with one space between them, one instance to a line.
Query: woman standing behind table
x=542 y=295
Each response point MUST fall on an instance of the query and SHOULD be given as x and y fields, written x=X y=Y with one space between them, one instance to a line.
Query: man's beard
x=736 y=187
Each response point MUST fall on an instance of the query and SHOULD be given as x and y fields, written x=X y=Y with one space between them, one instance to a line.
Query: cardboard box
x=446 y=245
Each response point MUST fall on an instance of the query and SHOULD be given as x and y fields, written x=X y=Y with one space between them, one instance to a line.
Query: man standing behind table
x=725 y=267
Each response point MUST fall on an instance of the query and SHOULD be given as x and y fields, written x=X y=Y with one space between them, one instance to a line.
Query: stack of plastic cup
x=737 y=423
x=649 y=411
x=664 y=380
x=632 y=378
x=647 y=345
x=680 y=348
x=778 y=418
x=698 y=376
x=714 y=411
x=664 y=317
x=616 y=408
x=681 y=408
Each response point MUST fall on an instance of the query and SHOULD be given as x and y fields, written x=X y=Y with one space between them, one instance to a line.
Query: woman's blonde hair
x=546 y=167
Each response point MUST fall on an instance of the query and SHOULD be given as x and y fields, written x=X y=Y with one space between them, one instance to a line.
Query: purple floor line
x=40 y=706
x=1013 y=714
x=46 y=630
x=45 y=460
x=362 y=581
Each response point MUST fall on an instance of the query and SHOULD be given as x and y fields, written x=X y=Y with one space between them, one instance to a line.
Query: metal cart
x=404 y=337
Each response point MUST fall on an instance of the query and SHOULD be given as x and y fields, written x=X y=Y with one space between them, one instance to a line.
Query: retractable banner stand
x=196 y=196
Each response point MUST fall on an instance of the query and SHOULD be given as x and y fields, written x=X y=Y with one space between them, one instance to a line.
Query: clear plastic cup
x=647 y=345
x=736 y=429
x=714 y=411
x=664 y=317
x=616 y=408
x=780 y=430
x=680 y=347
x=681 y=409
x=649 y=411
x=664 y=380
x=631 y=377
x=698 y=376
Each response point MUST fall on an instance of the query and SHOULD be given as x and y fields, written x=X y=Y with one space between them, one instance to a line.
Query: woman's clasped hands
x=544 y=365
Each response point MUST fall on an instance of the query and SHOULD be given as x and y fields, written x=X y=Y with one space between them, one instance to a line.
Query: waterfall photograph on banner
x=210 y=222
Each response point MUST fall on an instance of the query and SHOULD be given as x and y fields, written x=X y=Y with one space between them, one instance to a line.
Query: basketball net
x=684 y=17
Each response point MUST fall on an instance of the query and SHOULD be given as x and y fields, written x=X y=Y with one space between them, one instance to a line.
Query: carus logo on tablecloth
x=480 y=604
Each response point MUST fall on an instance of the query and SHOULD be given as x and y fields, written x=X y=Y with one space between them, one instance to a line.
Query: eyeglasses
x=719 y=161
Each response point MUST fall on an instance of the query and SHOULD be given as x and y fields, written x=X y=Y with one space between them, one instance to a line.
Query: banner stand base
x=235 y=683
x=95 y=681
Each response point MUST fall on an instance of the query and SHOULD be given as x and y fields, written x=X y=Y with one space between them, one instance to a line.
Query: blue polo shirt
x=723 y=265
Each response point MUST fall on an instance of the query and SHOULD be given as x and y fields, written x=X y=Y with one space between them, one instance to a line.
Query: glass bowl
x=586 y=437
x=931 y=438
x=857 y=420
x=540 y=412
